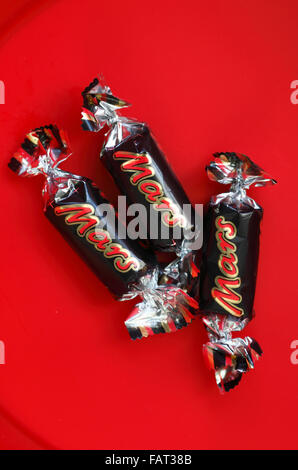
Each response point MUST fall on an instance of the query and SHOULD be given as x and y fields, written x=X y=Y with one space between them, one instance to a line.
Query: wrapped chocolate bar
x=79 y=210
x=229 y=267
x=140 y=169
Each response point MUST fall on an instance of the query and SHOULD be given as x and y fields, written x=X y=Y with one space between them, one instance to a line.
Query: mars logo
x=89 y=227
x=139 y=164
x=2 y=92
x=224 y=293
x=2 y=353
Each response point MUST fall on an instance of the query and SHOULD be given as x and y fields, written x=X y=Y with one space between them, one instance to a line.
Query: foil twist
x=228 y=357
x=164 y=309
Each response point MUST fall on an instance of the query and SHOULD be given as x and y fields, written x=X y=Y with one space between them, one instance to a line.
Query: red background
x=206 y=77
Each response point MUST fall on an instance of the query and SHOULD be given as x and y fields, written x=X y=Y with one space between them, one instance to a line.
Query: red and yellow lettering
x=228 y=227
x=81 y=214
x=224 y=293
x=127 y=264
x=228 y=265
x=100 y=238
x=136 y=163
x=151 y=189
x=140 y=165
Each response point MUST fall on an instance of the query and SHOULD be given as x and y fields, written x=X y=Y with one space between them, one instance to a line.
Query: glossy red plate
x=206 y=78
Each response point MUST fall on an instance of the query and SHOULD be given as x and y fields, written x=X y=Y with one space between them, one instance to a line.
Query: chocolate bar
x=229 y=267
x=78 y=209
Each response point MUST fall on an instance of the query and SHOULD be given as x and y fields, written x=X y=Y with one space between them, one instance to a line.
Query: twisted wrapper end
x=41 y=153
x=164 y=309
x=43 y=149
x=99 y=106
x=228 y=357
x=241 y=173
x=237 y=169
x=184 y=270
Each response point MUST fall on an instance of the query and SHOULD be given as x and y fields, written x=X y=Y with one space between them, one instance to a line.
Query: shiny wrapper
x=229 y=267
x=142 y=173
x=76 y=207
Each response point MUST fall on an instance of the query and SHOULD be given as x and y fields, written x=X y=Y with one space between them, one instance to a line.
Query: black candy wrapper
x=230 y=260
x=142 y=173
x=229 y=267
x=77 y=208
x=118 y=263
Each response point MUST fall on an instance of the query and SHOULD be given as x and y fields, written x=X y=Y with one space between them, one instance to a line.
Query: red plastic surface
x=206 y=78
